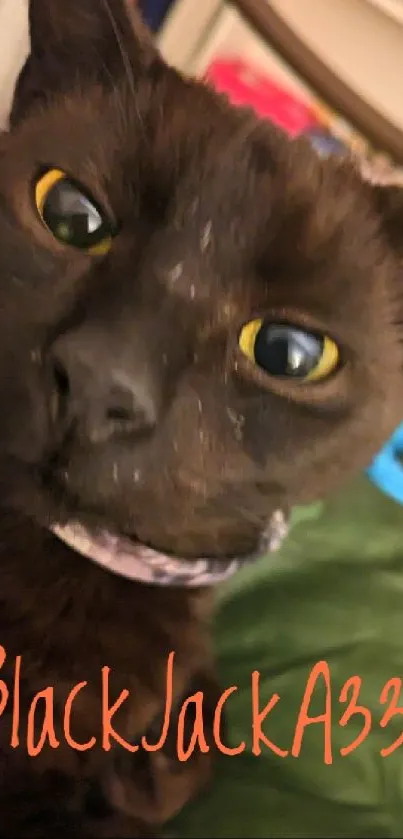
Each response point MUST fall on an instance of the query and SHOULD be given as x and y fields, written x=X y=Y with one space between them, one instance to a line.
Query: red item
x=247 y=86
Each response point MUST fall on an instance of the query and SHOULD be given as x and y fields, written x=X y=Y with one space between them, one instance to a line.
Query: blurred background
x=332 y=68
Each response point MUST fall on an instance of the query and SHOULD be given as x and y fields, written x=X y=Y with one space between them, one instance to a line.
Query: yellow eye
x=287 y=351
x=71 y=215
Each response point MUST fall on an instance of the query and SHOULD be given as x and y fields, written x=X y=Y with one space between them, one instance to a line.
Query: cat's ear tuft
x=76 y=42
x=389 y=205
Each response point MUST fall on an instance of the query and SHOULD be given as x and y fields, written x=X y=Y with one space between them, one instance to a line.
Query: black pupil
x=72 y=217
x=283 y=350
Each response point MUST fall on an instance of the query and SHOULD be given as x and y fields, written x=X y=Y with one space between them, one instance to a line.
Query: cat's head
x=199 y=319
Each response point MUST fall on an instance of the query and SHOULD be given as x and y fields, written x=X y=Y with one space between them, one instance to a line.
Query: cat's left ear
x=389 y=205
x=74 y=43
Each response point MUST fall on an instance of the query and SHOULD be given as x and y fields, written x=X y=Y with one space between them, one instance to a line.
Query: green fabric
x=335 y=593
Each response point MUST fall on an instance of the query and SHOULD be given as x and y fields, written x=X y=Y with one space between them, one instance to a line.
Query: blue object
x=154 y=11
x=325 y=143
x=386 y=470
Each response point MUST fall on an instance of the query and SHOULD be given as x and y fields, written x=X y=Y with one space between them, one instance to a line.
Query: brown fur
x=256 y=223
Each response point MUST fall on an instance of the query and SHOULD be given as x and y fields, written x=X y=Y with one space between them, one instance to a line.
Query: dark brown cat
x=200 y=327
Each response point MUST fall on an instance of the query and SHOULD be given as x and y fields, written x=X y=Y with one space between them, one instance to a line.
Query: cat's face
x=198 y=318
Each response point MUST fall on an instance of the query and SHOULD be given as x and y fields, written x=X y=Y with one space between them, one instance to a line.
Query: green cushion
x=334 y=593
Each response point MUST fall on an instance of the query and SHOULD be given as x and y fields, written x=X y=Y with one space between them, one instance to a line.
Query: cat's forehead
x=180 y=134
x=166 y=122
x=223 y=188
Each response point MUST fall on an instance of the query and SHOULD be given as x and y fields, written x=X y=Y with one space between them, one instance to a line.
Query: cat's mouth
x=136 y=561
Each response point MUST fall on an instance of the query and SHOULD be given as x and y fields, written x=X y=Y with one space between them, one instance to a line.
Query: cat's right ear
x=76 y=42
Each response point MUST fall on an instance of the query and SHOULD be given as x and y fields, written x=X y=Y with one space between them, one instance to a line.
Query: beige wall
x=14 y=45
x=360 y=42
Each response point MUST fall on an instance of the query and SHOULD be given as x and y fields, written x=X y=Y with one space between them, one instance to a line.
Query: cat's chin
x=142 y=563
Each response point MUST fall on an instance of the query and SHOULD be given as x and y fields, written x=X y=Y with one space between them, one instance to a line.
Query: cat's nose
x=94 y=388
